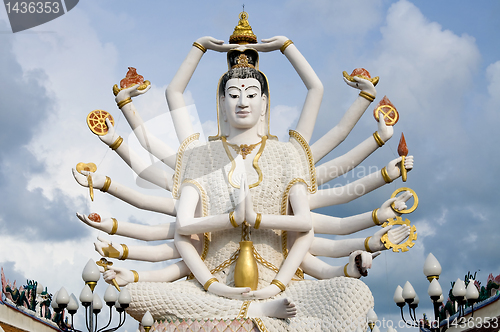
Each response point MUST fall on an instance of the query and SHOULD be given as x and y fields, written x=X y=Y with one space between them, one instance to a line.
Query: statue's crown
x=243 y=33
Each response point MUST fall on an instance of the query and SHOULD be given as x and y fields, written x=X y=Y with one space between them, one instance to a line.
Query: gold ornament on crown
x=242 y=62
x=243 y=33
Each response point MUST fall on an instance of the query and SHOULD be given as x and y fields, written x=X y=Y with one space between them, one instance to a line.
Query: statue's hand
x=231 y=292
x=386 y=212
x=210 y=43
x=270 y=44
x=122 y=276
x=131 y=91
x=393 y=169
x=111 y=136
x=106 y=225
x=363 y=85
x=384 y=130
x=250 y=214
x=396 y=236
x=366 y=262
x=97 y=179
x=102 y=246
x=263 y=293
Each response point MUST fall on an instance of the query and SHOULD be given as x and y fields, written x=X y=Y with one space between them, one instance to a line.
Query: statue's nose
x=243 y=102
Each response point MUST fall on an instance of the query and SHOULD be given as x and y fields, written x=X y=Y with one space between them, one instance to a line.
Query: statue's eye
x=233 y=95
x=253 y=95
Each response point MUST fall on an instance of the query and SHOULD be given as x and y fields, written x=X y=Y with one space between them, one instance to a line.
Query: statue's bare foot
x=281 y=308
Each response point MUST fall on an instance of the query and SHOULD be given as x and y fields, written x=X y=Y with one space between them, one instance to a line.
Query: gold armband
x=116 y=143
x=378 y=139
x=385 y=175
x=279 y=284
x=367 y=96
x=209 y=282
x=200 y=47
x=124 y=102
x=367 y=247
x=231 y=219
x=136 y=275
x=345 y=271
x=285 y=45
x=125 y=252
x=106 y=185
x=258 y=219
x=375 y=217
x=115 y=227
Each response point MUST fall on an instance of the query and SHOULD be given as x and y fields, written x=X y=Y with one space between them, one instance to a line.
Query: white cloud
x=282 y=118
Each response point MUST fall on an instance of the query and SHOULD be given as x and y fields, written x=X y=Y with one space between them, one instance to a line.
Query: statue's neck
x=243 y=136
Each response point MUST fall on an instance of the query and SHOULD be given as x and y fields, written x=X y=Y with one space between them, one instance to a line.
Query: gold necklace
x=244 y=149
x=255 y=163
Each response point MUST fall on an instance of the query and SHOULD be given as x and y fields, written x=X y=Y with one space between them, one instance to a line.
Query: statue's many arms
x=244 y=185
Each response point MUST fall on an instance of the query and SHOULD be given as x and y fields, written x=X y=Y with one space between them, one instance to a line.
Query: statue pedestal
x=212 y=325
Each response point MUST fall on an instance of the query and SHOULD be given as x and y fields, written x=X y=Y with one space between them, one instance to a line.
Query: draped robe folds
x=212 y=170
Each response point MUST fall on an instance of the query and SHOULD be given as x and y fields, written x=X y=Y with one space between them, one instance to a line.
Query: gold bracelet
x=209 y=282
x=125 y=252
x=279 y=284
x=345 y=271
x=136 y=275
x=124 y=102
x=285 y=45
x=378 y=139
x=116 y=143
x=367 y=247
x=200 y=47
x=385 y=175
x=257 y=221
x=115 y=227
x=375 y=217
x=367 y=96
x=107 y=184
x=231 y=219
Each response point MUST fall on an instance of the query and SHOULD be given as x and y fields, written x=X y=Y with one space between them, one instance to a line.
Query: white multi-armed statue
x=244 y=228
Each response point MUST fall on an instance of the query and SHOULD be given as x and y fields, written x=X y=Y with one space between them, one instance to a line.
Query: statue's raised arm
x=305 y=125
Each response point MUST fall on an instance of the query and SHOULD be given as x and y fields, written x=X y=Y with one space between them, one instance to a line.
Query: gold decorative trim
x=244 y=310
x=345 y=271
x=136 y=275
x=200 y=47
x=125 y=252
x=124 y=102
x=279 y=284
x=285 y=45
x=255 y=163
x=312 y=170
x=258 y=219
x=385 y=175
x=367 y=96
x=375 y=217
x=206 y=245
x=178 y=163
x=378 y=139
x=107 y=184
x=367 y=246
x=115 y=227
x=116 y=144
x=260 y=324
x=209 y=282
x=231 y=219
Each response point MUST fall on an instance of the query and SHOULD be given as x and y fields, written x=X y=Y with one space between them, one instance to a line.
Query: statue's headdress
x=243 y=56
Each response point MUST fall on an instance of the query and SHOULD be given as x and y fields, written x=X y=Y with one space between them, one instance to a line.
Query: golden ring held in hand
x=415 y=203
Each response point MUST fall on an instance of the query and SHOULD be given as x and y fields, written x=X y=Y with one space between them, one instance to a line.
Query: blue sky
x=438 y=62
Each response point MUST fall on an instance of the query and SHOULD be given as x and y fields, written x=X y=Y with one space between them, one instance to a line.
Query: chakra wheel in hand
x=96 y=121
x=389 y=114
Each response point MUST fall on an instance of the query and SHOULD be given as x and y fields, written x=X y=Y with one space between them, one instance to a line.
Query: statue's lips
x=243 y=114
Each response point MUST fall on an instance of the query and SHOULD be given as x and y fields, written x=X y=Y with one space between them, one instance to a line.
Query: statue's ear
x=222 y=108
x=264 y=104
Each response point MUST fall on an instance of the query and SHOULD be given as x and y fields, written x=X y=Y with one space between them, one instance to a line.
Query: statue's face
x=243 y=103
